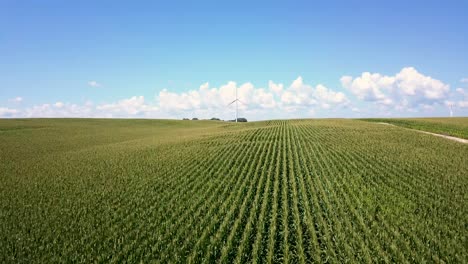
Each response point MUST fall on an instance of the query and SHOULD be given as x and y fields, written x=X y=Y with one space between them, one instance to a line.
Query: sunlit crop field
x=455 y=126
x=89 y=190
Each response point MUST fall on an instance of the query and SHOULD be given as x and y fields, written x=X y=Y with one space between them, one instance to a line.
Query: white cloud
x=324 y=94
x=94 y=84
x=60 y=109
x=408 y=88
x=408 y=91
x=185 y=101
x=275 y=88
x=17 y=99
x=263 y=99
x=464 y=80
x=299 y=99
x=368 y=87
x=133 y=106
x=215 y=100
x=7 y=112
x=59 y=104
x=460 y=99
x=463 y=104
x=411 y=82
x=303 y=95
x=206 y=98
x=298 y=94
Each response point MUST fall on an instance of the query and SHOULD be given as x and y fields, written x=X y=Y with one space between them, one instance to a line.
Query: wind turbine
x=451 y=110
x=235 y=101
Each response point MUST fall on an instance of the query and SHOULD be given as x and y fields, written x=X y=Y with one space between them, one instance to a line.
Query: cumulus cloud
x=130 y=107
x=297 y=99
x=460 y=99
x=297 y=96
x=8 y=112
x=408 y=88
x=213 y=101
x=464 y=80
x=17 y=99
x=60 y=109
x=275 y=88
x=133 y=106
x=94 y=84
x=300 y=94
x=59 y=104
x=325 y=95
x=463 y=104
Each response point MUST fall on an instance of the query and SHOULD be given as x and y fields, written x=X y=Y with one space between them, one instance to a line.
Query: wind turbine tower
x=237 y=109
x=451 y=110
x=235 y=101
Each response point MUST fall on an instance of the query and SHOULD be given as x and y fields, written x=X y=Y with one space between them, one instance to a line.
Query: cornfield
x=295 y=191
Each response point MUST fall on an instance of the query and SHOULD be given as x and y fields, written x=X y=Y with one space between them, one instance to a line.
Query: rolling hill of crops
x=454 y=126
x=296 y=191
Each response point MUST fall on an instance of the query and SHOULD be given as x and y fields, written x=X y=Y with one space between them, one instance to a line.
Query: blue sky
x=150 y=58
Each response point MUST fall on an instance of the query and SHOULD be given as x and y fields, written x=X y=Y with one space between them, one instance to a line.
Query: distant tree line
x=240 y=119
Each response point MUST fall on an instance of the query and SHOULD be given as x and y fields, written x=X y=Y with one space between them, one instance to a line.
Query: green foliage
x=97 y=190
x=455 y=126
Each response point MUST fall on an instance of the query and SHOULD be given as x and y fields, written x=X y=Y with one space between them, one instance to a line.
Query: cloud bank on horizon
x=406 y=93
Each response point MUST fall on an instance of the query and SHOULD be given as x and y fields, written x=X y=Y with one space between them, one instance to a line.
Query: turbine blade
x=232 y=102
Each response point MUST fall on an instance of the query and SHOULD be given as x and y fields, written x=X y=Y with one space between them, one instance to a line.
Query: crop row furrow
x=298 y=237
x=216 y=214
x=115 y=224
x=261 y=238
x=376 y=221
x=236 y=215
x=203 y=209
x=256 y=219
x=341 y=196
x=273 y=225
x=283 y=251
x=156 y=223
x=229 y=251
x=386 y=179
x=312 y=247
x=322 y=209
x=312 y=157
